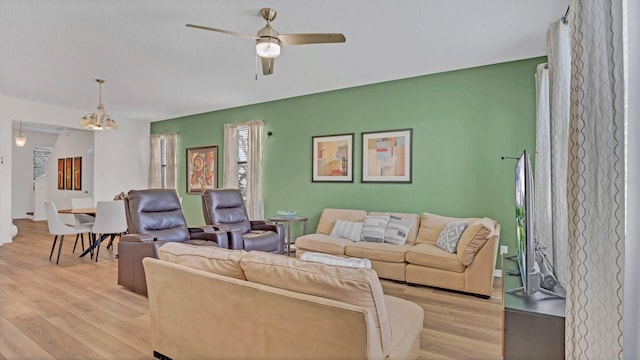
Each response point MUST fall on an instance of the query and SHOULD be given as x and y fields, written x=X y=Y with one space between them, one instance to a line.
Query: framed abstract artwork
x=68 y=174
x=77 y=173
x=332 y=158
x=60 y=174
x=386 y=156
x=202 y=169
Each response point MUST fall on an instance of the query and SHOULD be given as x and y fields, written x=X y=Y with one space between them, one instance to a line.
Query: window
x=40 y=160
x=162 y=164
x=243 y=150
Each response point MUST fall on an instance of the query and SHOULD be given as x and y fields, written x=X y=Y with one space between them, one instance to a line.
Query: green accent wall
x=463 y=122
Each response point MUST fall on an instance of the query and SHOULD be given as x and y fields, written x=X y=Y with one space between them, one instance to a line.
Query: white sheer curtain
x=171 y=172
x=255 y=205
x=230 y=166
x=155 y=170
x=559 y=64
x=542 y=183
x=596 y=195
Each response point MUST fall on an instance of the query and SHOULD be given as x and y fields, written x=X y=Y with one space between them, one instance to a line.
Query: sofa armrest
x=479 y=274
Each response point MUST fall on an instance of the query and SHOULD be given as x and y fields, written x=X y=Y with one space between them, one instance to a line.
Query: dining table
x=90 y=212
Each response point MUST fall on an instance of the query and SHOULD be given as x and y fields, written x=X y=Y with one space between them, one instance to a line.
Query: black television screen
x=525 y=230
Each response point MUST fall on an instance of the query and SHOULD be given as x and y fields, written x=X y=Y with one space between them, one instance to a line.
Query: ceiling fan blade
x=250 y=37
x=301 y=39
x=267 y=65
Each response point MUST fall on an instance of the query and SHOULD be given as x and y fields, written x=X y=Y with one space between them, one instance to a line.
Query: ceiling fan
x=269 y=41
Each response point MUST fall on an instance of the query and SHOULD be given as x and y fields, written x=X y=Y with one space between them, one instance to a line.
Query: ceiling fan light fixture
x=268 y=48
x=20 y=138
x=98 y=120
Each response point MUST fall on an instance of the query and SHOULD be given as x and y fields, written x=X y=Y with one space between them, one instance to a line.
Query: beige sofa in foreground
x=212 y=303
x=419 y=260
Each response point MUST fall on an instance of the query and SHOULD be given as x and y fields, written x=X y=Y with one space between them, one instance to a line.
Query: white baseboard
x=497 y=272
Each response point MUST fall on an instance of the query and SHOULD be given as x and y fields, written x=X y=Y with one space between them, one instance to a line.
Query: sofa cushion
x=208 y=258
x=356 y=286
x=378 y=251
x=450 y=236
x=329 y=217
x=413 y=218
x=397 y=230
x=336 y=260
x=374 y=228
x=434 y=257
x=349 y=230
x=474 y=238
x=322 y=243
x=431 y=226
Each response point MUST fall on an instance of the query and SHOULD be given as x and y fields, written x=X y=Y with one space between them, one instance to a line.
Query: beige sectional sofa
x=419 y=260
x=210 y=302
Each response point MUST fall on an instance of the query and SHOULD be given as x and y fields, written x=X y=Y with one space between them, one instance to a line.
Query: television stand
x=533 y=324
x=520 y=290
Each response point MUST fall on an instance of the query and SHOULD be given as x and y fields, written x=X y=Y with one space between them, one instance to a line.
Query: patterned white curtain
x=542 y=183
x=596 y=195
x=230 y=166
x=255 y=205
x=172 y=168
x=155 y=174
x=559 y=64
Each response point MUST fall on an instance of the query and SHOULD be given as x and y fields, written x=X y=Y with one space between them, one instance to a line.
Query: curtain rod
x=564 y=18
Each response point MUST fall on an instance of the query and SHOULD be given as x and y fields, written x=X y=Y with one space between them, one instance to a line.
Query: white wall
x=70 y=144
x=121 y=157
x=22 y=188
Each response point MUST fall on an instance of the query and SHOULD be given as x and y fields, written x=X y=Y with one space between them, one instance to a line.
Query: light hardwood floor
x=76 y=310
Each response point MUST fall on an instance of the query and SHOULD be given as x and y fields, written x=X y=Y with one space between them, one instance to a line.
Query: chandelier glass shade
x=20 y=138
x=98 y=120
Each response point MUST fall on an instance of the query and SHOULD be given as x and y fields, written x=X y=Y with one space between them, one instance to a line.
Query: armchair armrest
x=137 y=238
x=234 y=236
x=263 y=225
x=210 y=233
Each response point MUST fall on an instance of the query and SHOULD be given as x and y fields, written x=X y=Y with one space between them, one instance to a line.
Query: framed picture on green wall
x=202 y=169
x=386 y=156
x=332 y=158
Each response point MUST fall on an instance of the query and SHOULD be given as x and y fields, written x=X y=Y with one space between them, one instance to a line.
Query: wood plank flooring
x=76 y=310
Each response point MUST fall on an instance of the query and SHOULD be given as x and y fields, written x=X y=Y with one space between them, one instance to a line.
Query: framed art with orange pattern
x=60 y=174
x=77 y=173
x=202 y=169
x=68 y=174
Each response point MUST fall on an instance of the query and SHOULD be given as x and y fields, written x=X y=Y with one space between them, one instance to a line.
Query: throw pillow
x=347 y=230
x=374 y=228
x=450 y=235
x=397 y=230
x=336 y=260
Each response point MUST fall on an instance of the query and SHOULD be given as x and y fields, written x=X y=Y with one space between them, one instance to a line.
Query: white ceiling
x=156 y=68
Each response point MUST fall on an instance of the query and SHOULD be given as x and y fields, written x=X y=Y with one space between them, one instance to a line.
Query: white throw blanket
x=336 y=260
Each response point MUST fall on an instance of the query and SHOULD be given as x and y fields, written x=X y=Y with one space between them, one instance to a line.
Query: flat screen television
x=526 y=242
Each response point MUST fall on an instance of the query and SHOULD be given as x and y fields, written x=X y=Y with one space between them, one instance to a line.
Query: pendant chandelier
x=98 y=120
x=20 y=138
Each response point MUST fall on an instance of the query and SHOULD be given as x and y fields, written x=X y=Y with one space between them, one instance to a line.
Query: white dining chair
x=110 y=220
x=58 y=228
x=82 y=219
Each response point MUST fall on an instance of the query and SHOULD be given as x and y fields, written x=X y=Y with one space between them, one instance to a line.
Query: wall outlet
x=364 y=187
x=504 y=249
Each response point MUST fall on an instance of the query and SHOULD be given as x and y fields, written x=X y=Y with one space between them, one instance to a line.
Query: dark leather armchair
x=224 y=209
x=154 y=217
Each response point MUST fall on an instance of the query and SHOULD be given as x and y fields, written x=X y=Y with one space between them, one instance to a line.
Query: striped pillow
x=347 y=230
x=397 y=230
x=374 y=228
